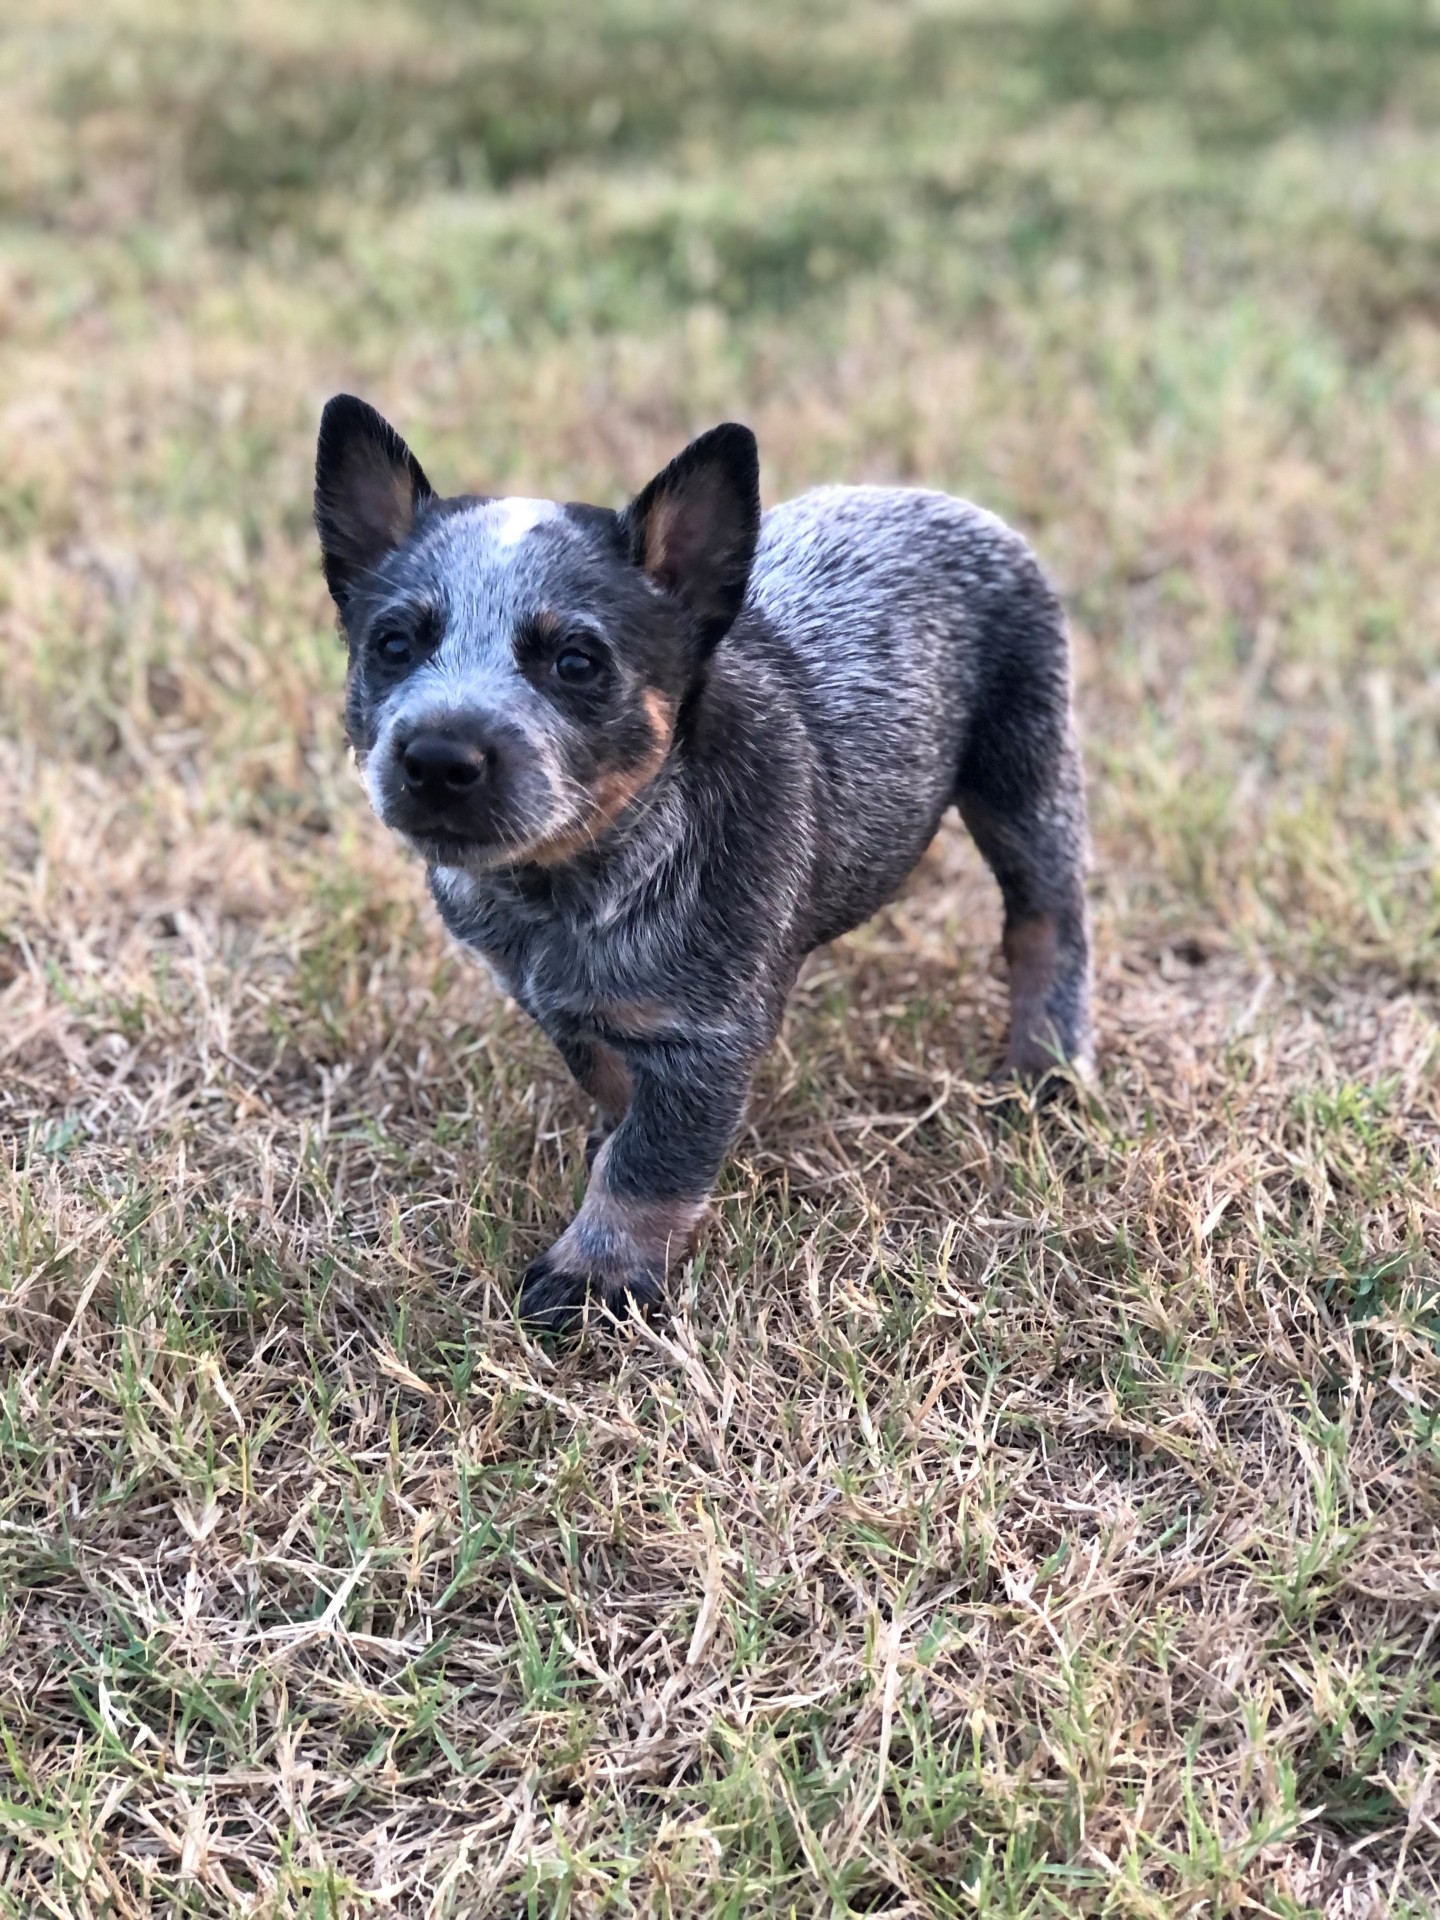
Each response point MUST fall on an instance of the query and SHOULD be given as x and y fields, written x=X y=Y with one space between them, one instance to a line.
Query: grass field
x=1028 y=1515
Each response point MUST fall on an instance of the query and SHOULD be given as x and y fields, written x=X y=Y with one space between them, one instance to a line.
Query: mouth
x=501 y=833
x=454 y=850
x=486 y=853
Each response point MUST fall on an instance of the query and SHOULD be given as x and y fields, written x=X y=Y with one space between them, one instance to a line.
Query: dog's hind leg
x=1021 y=793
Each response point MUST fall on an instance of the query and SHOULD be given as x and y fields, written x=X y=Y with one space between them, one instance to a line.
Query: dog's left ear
x=368 y=489
x=693 y=529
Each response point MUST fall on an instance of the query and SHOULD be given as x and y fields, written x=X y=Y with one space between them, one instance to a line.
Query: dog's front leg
x=601 y=1072
x=649 y=1186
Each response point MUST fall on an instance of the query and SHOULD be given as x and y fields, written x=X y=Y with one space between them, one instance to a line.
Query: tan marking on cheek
x=554 y=853
x=660 y=712
x=615 y=790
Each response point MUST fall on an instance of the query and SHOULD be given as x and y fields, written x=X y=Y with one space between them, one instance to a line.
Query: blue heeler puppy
x=652 y=758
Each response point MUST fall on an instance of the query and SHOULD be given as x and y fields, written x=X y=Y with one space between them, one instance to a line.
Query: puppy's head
x=516 y=666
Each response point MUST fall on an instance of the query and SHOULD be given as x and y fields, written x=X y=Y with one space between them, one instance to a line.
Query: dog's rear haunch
x=653 y=757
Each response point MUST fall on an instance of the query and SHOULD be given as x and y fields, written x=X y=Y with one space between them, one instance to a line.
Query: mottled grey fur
x=783 y=711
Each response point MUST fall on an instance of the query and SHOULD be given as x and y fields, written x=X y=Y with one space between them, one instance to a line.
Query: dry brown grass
x=1021 y=1514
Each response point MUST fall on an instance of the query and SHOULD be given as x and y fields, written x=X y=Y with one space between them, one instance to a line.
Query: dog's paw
x=555 y=1297
x=1014 y=1089
x=1025 y=1086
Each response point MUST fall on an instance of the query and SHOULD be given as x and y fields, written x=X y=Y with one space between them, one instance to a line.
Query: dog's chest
x=563 y=966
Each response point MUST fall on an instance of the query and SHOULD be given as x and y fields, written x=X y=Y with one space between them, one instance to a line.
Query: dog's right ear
x=693 y=529
x=368 y=489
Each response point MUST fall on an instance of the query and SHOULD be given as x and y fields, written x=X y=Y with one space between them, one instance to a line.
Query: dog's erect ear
x=694 y=527
x=368 y=489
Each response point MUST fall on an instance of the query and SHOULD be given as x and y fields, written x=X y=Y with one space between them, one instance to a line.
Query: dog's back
x=897 y=620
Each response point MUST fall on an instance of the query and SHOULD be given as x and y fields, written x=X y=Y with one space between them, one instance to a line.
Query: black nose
x=438 y=766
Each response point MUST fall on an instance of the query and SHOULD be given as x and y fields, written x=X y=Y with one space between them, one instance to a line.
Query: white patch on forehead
x=511 y=520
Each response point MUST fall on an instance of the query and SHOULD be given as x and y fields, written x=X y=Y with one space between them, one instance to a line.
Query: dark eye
x=394 y=646
x=576 y=667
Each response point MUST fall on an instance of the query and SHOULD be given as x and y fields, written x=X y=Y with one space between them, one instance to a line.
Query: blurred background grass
x=1159 y=280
